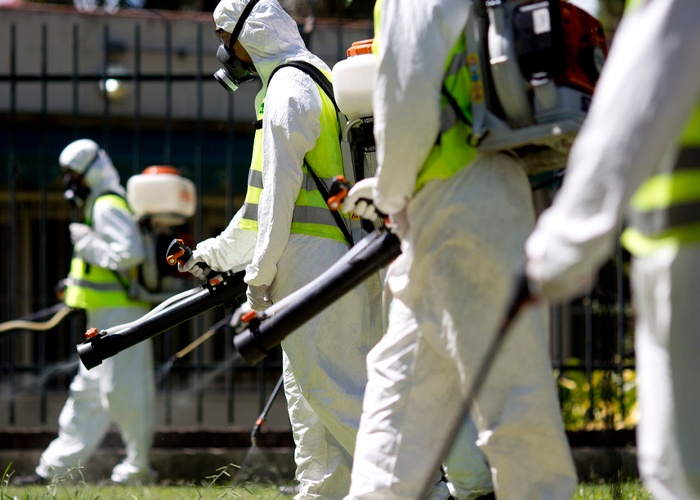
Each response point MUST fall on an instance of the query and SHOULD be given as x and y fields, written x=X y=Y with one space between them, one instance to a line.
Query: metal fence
x=36 y=250
x=201 y=130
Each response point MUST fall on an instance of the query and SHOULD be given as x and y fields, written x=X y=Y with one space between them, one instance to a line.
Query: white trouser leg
x=127 y=389
x=133 y=410
x=666 y=286
x=466 y=237
x=323 y=465
x=401 y=421
x=325 y=368
x=467 y=473
x=83 y=423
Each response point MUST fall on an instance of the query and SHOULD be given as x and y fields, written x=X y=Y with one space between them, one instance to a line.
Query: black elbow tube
x=370 y=255
x=227 y=292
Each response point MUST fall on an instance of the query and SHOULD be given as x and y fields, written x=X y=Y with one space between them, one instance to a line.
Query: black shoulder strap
x=325 y=194
x=314 y=73
x=323 y=82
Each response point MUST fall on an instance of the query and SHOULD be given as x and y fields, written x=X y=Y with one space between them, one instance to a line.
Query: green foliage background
x=607 y=402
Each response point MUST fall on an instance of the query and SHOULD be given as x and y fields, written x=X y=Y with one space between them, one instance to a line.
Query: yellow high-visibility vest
x=311 y=213
x=92 y=287
x=665 y=210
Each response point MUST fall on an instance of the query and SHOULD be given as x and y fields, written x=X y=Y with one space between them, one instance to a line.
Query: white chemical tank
x=353 y=80
x=161 y=194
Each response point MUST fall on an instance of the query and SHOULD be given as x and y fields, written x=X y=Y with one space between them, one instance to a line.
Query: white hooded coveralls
x=323 y=361
x=648 y=89
x=463 y=243
x=122 y=389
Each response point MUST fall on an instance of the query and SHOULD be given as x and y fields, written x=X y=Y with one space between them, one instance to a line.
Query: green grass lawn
x=624 y=491
x=172 y=492
x=221 y=485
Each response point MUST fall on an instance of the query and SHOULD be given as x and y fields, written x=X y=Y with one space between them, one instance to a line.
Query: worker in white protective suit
x=284 y=236
x=106 y=249
x=639 y=150
x=463 y=219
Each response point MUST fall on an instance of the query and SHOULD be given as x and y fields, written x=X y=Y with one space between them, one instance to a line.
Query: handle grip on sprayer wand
x=339 y=190
x=178 y=252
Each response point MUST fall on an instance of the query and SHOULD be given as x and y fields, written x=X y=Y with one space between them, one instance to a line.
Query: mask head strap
x=241 y=21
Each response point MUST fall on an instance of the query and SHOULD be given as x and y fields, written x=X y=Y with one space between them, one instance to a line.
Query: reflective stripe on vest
x=90 y=287
x=311 y=215
x=665 y=210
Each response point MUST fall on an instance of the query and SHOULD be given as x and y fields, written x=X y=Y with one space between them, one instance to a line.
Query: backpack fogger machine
x=353 y=87
x=533 y=66
x=162 y=200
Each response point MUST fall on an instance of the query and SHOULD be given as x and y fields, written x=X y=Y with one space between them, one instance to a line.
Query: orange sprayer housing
x=360 y=47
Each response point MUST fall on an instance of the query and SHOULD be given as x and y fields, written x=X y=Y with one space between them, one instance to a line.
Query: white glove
x=79 y=231
x=398 y=223
x=361 y=200
x=257 y=297
x=191 y=266
x=236 y=318
x=554 y=270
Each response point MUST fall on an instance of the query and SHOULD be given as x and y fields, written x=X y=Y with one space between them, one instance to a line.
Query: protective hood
x=102 y=178
x=270 y=36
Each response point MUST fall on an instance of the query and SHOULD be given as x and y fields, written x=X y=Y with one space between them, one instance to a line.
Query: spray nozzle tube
x=279 y=320
x=227 y=289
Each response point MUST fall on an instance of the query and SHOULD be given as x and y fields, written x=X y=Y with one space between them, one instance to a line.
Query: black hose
x=231 y=291
x=278 y=321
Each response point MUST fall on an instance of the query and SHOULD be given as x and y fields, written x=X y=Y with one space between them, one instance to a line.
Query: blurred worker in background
x=463 y=219
x=639 y=148
x=285 y=235
x=107 y=249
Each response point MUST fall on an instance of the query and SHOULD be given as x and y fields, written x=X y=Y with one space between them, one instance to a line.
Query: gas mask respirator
x=235 y=72
x=76 y=192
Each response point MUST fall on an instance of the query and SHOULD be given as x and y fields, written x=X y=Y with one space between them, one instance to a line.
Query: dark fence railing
x=591 y=340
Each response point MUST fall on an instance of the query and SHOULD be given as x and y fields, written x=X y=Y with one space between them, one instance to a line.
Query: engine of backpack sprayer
x=162 y=200
x=533 y=66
